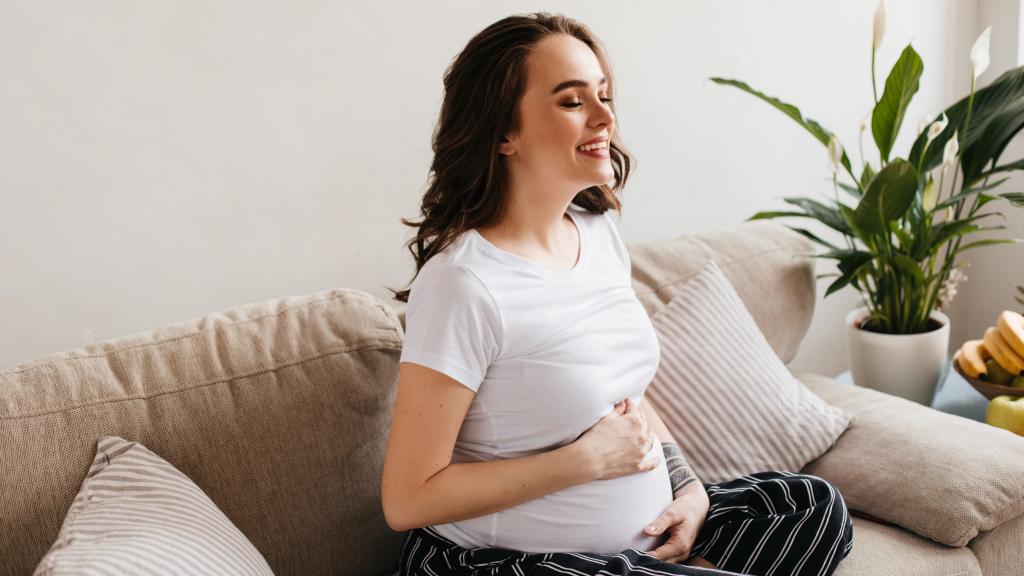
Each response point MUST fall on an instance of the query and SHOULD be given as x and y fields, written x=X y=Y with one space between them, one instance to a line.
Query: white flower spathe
x=879 y=29
x=937 y=127
x=979 y=53
x=951 y=150
x=929 y=197
x=835 y=153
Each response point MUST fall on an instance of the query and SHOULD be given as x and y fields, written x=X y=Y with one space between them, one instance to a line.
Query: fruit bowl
x=988 y=389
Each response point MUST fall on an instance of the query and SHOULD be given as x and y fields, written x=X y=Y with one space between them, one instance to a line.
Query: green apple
x=1018 y=381
x=996 y=373
x=1006 y=412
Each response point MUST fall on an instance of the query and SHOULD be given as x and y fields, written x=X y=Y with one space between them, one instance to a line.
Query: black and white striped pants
x=768 y=523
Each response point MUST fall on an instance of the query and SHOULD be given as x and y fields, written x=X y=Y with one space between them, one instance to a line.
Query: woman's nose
x=602 y=116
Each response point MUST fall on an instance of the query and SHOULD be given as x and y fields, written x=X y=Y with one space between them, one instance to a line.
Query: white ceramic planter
x=904 y=365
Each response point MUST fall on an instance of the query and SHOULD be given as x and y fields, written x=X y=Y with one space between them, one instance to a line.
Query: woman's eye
x=575 y=104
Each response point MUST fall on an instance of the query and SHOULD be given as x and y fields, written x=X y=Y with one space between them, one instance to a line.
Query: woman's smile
x=595 y=148
x=595 y=153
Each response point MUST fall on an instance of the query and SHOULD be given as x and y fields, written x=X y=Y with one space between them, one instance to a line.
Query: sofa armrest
x=941 y=476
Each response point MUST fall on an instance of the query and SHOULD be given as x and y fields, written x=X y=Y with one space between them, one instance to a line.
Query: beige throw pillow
x=137 y=514
x=721 y=390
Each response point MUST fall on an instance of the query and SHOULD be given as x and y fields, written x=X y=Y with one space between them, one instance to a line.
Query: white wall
x=994 y=271
x=159 y=161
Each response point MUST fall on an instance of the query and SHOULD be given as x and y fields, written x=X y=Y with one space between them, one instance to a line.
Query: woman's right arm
x=421 y=487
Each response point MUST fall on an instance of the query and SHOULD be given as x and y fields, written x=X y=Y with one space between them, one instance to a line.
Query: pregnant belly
x=603 y=516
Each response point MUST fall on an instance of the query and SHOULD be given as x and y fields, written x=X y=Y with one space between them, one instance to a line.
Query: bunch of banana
x=999 y=356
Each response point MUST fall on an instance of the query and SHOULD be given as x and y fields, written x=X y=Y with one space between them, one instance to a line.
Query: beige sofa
x=280 y=412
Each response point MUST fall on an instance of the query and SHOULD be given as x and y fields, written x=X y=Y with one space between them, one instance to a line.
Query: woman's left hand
x=682 y=519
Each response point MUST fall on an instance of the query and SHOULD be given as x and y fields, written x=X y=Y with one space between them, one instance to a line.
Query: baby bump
x=602 y=516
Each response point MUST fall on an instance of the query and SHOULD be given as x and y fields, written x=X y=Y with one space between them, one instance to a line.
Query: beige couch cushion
x=1000 y=552
x=944 y=477
x=767 y=263
x=890 y=551
x=279 y=411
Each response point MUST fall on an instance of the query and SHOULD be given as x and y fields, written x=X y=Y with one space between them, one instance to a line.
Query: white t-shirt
x=549 y=353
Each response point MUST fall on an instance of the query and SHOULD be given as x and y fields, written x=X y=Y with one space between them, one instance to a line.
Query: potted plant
x=903 y=221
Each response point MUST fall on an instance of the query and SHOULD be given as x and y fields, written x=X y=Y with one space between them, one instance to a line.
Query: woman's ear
x=506 y=147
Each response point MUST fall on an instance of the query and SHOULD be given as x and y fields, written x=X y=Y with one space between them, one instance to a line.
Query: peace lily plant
x=904 y=220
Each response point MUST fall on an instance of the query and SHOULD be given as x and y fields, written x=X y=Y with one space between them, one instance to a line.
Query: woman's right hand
x=617 y=444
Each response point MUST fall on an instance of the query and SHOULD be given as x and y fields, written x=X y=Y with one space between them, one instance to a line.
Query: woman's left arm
x=680 y=472
x=684 y=517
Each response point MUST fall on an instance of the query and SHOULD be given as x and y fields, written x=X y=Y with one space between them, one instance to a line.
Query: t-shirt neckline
x=519 y=261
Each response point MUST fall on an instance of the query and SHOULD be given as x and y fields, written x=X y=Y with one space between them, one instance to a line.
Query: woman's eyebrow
x=575 y=84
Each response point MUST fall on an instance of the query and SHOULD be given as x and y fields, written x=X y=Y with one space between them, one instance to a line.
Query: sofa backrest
x=279 y=411
x=769 y=264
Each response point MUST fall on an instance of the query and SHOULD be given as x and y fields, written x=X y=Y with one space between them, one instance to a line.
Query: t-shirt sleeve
x=452 y=324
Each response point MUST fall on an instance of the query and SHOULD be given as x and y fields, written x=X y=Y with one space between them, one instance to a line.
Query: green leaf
x=948 y=230
x=816 y=130
x=908 y=265
x=968 y=193
x=989 y=104
x=985 y=199
x=852 y=260
x=865 y=177
x=846 y=256
x=887 y=198
x=990 y=242
x=853 y=190
x=850 y=217
x=777 y=214
x=827 y=215
x=945 y=231
x=900 y=86
x=995 y=135
x=850 y=267
x=813 y=237
x=1018 y=165
x=1015 y=198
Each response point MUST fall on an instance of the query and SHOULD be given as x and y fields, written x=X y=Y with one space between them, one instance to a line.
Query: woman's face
x=565 y=104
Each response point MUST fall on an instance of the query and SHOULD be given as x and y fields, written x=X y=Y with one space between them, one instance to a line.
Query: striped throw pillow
x=137 y=514
x=723 y=393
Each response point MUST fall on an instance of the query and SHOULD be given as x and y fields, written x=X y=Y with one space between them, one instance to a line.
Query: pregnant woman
x=521 y=442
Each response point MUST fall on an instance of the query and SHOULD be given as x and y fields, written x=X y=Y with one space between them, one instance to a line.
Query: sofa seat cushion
x=941 y=476
x=1000 y=551
x=278 y=411
x=887 y=550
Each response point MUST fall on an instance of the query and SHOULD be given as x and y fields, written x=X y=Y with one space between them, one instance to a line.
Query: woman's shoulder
x=444 y=279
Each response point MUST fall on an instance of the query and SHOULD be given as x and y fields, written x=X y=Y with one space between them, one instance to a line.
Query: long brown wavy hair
x=468 y=183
